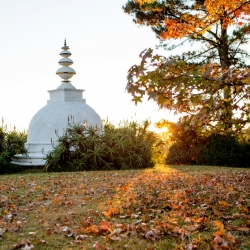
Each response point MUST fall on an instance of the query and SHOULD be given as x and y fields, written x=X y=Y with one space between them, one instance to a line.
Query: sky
x=104 y=43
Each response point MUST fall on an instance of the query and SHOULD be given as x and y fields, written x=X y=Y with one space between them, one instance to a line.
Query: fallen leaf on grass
x=219 y=243
x=110 y=212
x=45 y=223
x=25 y=244
x=153 y=235
x=104 y=227
x=3 y=198
x=41 y=241
x=81 y=237
x=191 y=247
x=225 y=241
x=32 y=233
x=192 y=228
x=115 y=238
x=220 y=228
x=27 y=247
x=229 y=237
x=48 y=231
x=58 y=228
x=98 y=246
x=240 y=229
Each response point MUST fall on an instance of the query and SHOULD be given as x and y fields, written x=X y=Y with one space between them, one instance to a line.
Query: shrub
x=191 y=147
x=130 y=145
x=178 y=154
x=185 y=146
x=11 y=143
x=226 y=150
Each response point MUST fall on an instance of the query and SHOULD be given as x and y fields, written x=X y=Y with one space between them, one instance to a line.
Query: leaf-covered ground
x=161 y=208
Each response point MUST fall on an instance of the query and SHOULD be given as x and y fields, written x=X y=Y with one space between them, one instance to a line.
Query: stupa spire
x=65 y=72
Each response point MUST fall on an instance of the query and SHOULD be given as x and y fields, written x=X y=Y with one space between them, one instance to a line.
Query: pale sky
x=104 y=43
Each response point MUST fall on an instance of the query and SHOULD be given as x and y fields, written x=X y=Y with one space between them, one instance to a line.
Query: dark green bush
x=226 y=150
x=185 y=145
x=11 y=143
x=178 y=154
x=130 y=145
x=191 y=147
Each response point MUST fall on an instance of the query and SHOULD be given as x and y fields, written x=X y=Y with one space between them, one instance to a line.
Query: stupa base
x=29 y=160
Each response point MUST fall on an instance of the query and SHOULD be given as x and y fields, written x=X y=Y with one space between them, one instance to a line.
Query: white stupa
x=64 y=106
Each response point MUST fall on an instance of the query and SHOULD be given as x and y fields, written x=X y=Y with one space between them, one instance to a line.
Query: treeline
x=129 y=145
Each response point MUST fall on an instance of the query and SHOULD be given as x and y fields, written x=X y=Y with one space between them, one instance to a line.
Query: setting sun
x=162 y=130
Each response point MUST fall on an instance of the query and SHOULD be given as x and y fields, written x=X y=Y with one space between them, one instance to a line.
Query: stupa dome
x=65 y=107
x=52 y=120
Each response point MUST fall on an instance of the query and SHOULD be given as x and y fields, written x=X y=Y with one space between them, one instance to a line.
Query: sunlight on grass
x=162 y=169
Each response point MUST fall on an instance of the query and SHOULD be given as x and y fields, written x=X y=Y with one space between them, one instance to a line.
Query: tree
x=210 y=85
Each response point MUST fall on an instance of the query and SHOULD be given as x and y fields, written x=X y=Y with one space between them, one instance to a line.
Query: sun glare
x=163 y=130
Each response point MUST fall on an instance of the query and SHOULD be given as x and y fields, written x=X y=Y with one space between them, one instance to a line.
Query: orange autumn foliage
x=198 y=22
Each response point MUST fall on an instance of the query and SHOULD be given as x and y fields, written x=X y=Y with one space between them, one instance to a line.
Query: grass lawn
x=167 y=207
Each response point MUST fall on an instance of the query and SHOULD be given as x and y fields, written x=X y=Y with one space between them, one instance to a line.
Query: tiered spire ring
x=65 y=72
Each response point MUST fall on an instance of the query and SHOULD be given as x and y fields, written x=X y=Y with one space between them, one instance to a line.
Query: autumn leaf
x=219 y=243
x=104 y=227
x=25 y=244
x=153 y=235
x=240 y=229
x=219 y=226
x=110 y=212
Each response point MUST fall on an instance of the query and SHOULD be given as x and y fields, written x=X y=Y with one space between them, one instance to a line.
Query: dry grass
x=185 y=207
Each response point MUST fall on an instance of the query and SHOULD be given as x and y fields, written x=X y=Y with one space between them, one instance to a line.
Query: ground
x=166 y=207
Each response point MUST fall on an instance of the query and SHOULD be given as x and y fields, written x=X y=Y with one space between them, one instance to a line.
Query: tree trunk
x=225 y=64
